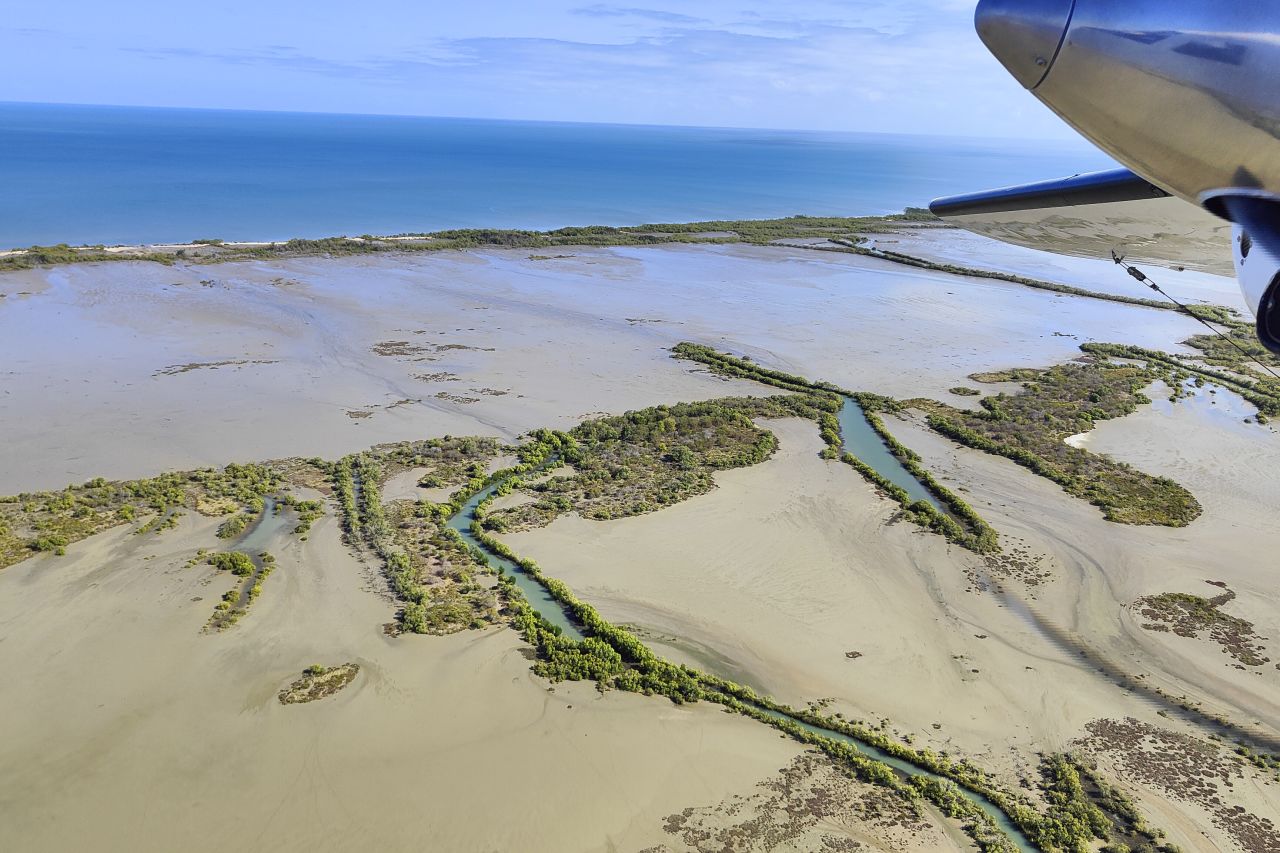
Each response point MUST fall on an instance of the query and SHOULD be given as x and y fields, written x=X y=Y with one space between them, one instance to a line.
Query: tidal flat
x=127 y=369
x=793 y=575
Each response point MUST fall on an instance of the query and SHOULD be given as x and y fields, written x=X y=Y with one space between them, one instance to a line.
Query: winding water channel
x=541 y=600
x=857 y=437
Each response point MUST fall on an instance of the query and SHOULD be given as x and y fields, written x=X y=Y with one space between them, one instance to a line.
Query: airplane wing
x=1091 y=215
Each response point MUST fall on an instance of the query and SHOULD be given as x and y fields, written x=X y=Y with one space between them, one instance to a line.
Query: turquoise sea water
x=80 y=174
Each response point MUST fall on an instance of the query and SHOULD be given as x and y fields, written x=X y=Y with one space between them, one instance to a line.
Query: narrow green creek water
x=858 y=438
x=907 y=769
x=541 y=600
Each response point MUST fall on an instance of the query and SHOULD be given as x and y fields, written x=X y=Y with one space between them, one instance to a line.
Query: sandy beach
x=132 y=730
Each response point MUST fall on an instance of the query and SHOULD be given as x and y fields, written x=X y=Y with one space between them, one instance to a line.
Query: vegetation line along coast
x=847 y=234
x=208 y=250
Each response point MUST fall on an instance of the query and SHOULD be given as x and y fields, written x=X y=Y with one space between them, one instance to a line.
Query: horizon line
x=1073 y=141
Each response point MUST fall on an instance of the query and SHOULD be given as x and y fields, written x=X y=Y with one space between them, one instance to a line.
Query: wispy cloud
x=877 y=64
x=604 y=10
x=813 y=59
x=29 y=31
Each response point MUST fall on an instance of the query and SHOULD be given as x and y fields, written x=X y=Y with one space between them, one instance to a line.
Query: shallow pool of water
x=269 y=524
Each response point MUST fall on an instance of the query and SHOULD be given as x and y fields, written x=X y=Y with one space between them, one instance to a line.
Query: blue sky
x=908 y=66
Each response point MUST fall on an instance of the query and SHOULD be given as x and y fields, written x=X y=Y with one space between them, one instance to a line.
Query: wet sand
x=792 y=564
x=145 y=368
x=133 y=731
x=1098 y=274
x=1100 y=569
x=128 y=729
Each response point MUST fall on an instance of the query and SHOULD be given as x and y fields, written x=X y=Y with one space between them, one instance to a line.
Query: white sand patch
x=404 y=486
x=1079 y=440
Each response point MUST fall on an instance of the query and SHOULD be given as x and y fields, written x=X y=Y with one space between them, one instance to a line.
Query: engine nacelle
x=1183 y=92
x=1186 y=93
x=1258 y=271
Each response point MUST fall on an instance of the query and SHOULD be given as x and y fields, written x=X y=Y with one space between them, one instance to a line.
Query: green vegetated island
x=444 y=578
x=318 y=681
x=235 y=601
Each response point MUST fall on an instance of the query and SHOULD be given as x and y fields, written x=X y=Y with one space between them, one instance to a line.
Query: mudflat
x=131 y=729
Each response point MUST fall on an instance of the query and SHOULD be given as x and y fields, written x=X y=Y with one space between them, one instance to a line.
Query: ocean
x=112 y=175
